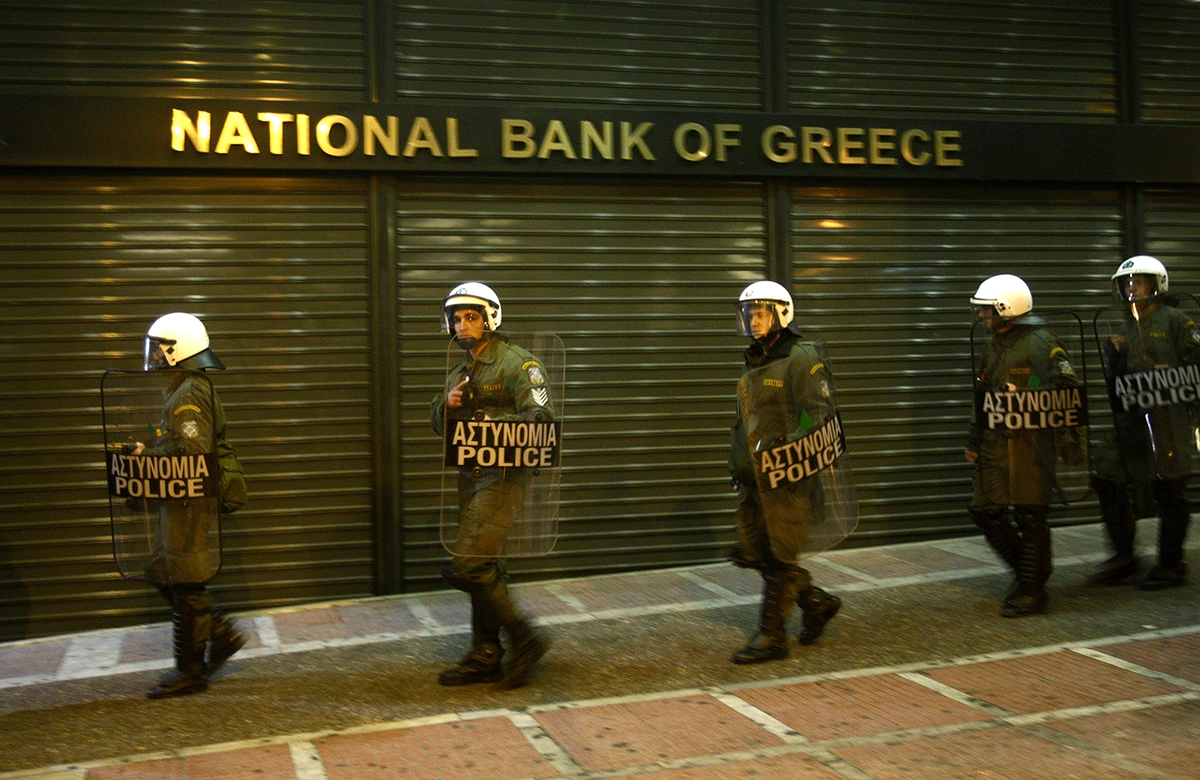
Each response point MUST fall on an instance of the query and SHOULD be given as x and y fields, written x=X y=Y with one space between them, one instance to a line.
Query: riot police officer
x=1013 y=480
x=1154 y=439
x=495 y=380
x=769 y=541
x=180 y=564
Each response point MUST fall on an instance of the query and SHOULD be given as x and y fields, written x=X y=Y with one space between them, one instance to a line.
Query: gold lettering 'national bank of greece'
x=337 y=135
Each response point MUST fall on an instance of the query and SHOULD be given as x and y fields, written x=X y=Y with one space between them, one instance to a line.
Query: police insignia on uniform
x=536 y=377
x=541 y=395
x=189 y=429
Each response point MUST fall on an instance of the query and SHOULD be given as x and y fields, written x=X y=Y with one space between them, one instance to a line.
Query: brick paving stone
x=1007 y=753
x=743 y=582
x=611 y=736
x=152 y=643
x=378 y=617
x=1175 y=655
x=859 y=706
x=272 y=762
x=484 y=749
x=1164 y=738
x=793 y=767
x=449 y=608
x=883 y=563
x=33 y=658
x=1049 y=681
x=310 y=625
x=647 y=589
x=927 y=559
x=538 y=601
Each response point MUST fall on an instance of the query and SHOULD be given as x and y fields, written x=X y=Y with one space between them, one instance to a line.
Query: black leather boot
x=525 y=646
x=1174 y=518
x=1000 y=534
x=527 y=649
x=482 y=663
x=190 y=630
x=819 y=608
x=226 y=640
x=1030 y=597
x=1121 y=529
x=780 y=592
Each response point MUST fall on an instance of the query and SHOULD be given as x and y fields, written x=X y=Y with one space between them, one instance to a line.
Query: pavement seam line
x=1129 y=666
x=546 y=746
x=762 y=719
x=950 y=692
x=306 y=761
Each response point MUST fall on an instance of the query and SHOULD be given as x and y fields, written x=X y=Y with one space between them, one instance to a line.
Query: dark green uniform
x=1154 y=445
x=790 y=385
x=1015 y=468
x=506 y=382
x=791 y=381
x=185 y=545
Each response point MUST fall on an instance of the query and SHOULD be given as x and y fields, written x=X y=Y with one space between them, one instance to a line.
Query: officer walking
x=1154 y=433
x=783 y=378
x=182 y=558
x=1014 y=480
x=495 y=380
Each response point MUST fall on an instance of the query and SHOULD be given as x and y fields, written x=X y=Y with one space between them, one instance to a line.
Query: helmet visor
x=757 y=318
x=1132 y=288
x=156 y=352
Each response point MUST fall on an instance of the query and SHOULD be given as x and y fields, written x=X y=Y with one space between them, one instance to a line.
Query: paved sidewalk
x=925 y=681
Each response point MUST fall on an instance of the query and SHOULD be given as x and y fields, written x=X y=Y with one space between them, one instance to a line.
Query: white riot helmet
x=1139 y=265
x=1008 y=295
x=477 y=296
x=765 y=293
x=178 y=340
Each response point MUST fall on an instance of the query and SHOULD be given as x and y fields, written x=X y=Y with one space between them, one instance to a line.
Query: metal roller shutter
x=640 y=284
x=945 y=58
x=615 y=52
x=884 y=276
x=1168 y=60
x=1172 y=234
x=277 y=268
x=286 y=49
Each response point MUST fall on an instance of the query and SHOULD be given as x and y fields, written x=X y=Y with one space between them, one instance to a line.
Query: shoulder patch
x=816 y=367
x=187 y=408
x=537 y=377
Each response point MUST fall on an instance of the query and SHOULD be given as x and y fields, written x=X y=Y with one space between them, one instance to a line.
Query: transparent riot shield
x=1035 y=436
x=163 y=484
x=798 y=450
x=1155 y=397
x=502 y=464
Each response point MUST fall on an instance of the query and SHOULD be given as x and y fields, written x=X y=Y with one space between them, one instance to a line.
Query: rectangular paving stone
x=1049 y=681
x=152 y=643
x=647 y=589
x=1006 y=753
x=271 y=762
x=484 y=749
x=1175 y=655
x=794 y=767
x=743 y=582
x=1164 y=738
x=26 y=660
x=904 y=561
x=858 y=706
x=449 y=608
x=347 y=620
x=378 y=617
x=611 y=736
